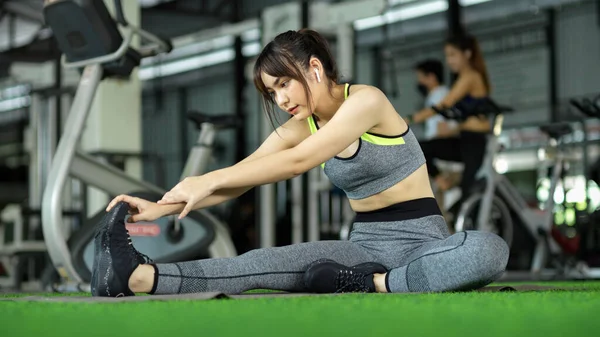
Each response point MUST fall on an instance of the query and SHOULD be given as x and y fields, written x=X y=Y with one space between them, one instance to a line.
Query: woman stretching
x=399 y=241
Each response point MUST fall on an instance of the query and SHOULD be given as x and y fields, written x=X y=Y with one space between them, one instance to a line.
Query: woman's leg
x=472 y=151
x=463 y=261
x=278 y=268
x=440 y=148
x=412 y=241
x=119 y=270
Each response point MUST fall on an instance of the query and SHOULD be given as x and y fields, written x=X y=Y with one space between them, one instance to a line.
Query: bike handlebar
x=461 y=110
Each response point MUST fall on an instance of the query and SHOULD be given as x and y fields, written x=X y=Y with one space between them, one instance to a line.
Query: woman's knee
x=490 y=251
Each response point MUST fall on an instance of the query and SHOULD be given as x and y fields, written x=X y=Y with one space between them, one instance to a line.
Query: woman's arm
x=459 y=90
x=358 y=114
x=287 y=136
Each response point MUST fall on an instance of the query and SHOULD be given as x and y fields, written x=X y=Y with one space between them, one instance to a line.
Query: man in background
x=430 y=78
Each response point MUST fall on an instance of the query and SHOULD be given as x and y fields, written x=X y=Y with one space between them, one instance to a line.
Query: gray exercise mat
x=219 y=295
x=187 y=297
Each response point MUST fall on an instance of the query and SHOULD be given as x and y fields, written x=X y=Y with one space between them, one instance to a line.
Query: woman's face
x=456 y=59
x=289 y=95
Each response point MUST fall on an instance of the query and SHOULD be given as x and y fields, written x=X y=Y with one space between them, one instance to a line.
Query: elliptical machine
x=90 y=39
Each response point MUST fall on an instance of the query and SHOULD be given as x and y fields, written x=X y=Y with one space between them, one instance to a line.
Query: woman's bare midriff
x=476 y=124
x=415 y=186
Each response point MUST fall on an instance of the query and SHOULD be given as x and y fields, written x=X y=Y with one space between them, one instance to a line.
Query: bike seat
x=557 y=130
x=220 y=122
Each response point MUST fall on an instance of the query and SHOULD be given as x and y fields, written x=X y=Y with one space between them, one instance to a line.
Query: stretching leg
x=463 y=261
x=412 y=242
x=279 y=268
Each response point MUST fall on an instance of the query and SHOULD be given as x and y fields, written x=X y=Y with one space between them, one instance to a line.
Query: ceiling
x=24 y=38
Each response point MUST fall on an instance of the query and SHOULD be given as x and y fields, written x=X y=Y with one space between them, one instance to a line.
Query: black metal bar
x=184 y=143
x=552 y=64
x=355 y=58
x=598 y=12
x=585 y=159
x=455 y=27
x=305 y=22
x=58 y=98
x=12 y=30
x=51 y=91
x=377 y=67
x=240 y=83
x=305 y=10
x=239 y=66
x=454 y=18
x=386 y=57
x=120 y=14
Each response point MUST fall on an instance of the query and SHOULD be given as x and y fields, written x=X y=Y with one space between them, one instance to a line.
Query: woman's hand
x=190 y=191
x=139 y=209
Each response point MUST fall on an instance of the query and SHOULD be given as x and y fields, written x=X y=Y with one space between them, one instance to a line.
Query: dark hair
x=432 y=66
x=289 y=55
x=466 y=42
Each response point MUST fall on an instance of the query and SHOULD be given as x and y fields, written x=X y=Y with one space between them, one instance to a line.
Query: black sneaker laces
x=350 y=281
x=135 y=251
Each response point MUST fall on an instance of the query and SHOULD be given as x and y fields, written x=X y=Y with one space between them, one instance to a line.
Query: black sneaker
x=115 y=258
x=330 y=277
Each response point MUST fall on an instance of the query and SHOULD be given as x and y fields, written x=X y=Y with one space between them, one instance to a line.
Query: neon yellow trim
x=382 y=140
x=312 y=125
x=372 y=138
x=366 y=137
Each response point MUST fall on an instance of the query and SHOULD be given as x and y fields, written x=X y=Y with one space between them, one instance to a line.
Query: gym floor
x=569 y=309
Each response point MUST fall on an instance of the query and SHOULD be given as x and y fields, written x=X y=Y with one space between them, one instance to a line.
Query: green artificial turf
x=573 y=312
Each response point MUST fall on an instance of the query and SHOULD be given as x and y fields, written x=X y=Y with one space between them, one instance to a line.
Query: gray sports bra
x=379 y=163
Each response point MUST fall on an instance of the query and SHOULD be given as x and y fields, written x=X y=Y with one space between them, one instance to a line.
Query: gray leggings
x=419 y=253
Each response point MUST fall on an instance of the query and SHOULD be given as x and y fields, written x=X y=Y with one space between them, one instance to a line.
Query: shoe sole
x=103 y=272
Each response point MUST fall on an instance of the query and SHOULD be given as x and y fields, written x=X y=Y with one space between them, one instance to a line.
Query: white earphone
x=318 y=76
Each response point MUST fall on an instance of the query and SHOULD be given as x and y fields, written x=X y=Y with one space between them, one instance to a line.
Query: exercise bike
x=495 y=217
x=590 y=108
x=587 y=224
x=90 y=39
x=496 y=194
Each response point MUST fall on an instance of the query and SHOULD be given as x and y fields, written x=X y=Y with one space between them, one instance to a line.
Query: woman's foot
x=330 y=277
x=142 y=279
x=115 y=257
